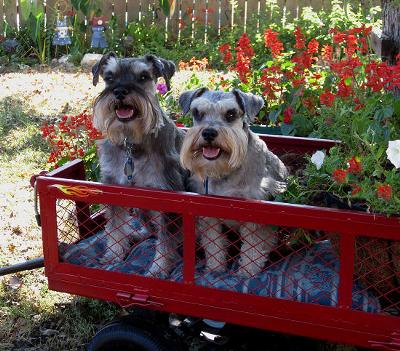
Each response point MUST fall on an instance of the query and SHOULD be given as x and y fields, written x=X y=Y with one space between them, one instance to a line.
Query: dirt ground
x=32 y=317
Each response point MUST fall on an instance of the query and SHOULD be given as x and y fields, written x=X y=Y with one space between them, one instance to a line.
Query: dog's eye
x=230 y=115
x=108 y=79
x=143 y=77
x=198 y=116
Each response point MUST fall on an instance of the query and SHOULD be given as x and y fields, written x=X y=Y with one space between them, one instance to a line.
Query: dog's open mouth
x=125 y=113
x=211 y=152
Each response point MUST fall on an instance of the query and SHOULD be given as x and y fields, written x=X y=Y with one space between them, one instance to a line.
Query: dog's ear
x=251 y=104
x=162 y=68
x=98 y=68
x=186 y=98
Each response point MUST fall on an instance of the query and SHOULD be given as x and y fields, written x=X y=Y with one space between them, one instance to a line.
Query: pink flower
x=162 y=88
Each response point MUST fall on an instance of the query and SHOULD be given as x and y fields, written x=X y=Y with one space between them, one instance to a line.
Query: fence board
x=253 y=13
x=315 y=4
x=240 y=12
x=212 y=8
x=293 y=9
x=147 y=11
x=133 y=8
x=225 y=14
x=218 y=15
x=120 y=12
x=51 y=13
x=173 y=22
x=10 y=11
x=1 y=18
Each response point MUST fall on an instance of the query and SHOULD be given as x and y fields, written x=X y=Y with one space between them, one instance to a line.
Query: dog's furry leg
x=118 y=233
x=257 y=242
x=214 y=243
x=166 y=247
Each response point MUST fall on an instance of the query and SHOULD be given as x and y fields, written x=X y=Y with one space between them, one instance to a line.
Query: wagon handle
x=35 y=197
x=24 y=266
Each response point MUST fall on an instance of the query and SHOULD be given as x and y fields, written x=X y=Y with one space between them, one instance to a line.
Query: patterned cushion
x=309 y=275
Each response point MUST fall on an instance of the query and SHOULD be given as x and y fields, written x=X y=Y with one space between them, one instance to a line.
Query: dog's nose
x=209 y=134
x=120 y=93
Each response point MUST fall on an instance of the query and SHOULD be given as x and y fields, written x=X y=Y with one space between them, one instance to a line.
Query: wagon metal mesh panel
x=377 y=269
x=288 y=263
x=327 y=269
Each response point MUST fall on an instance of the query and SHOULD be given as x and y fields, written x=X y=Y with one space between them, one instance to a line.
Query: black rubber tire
x=124 y=337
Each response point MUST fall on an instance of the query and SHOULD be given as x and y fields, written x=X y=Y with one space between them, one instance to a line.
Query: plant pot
x=259 y=129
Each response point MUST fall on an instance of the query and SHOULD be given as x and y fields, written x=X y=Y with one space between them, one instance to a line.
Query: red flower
x=340 y=175
x=327 y=53
x=312 y=47
x=384 y=191
x=272 y=42
x=327 y=98
x=298 y=82
x=299 y=38
x=225 y=50
x=355 y=189
x=287 y=115
x=359 y=105
x=244 y=54
x=354 y=165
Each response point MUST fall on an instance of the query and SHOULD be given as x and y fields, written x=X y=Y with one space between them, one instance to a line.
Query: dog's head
x=128 y=105
x=217 y=143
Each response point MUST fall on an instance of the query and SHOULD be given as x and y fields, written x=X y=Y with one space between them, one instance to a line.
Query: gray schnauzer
x=141 y=148
x=227 y=159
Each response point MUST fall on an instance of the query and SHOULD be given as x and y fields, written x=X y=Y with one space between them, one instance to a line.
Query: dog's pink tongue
x=124 y=112
x=210 y=152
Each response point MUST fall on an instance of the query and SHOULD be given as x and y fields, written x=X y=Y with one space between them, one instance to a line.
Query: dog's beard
x=147 y=117
x=232 y=142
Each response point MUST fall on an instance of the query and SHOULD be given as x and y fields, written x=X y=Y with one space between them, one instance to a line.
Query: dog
x=228 y=159
x=140 y=148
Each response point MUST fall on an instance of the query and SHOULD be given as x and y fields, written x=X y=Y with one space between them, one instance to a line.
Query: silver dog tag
x=129 y=168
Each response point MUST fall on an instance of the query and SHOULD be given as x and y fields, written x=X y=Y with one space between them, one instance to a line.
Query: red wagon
x=334 y=275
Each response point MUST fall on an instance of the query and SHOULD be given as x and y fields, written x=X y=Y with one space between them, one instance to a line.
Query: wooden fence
x=189 y=17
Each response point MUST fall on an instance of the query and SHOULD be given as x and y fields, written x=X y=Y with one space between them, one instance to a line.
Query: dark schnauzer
x=141 y=147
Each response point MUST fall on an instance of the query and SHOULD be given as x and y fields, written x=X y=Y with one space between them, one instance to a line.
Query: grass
x=32 y=317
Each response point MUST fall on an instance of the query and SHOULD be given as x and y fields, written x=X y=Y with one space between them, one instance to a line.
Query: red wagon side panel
x=68 y=201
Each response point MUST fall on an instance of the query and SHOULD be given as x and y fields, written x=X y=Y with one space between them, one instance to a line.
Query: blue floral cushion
x=309 y=275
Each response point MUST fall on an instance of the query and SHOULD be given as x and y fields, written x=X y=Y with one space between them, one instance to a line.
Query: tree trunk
x=391 y=26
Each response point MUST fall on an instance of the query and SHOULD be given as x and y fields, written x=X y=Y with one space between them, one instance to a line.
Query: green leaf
x=165 y=6
x=379 y=115
x=75 y=4
x=302 y=124
x=388 y=111
x=348 y=81
x=273 y=115
x=27 y=7
x=396 y=107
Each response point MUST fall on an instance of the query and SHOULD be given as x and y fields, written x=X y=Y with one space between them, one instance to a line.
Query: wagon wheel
x=122 y=336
